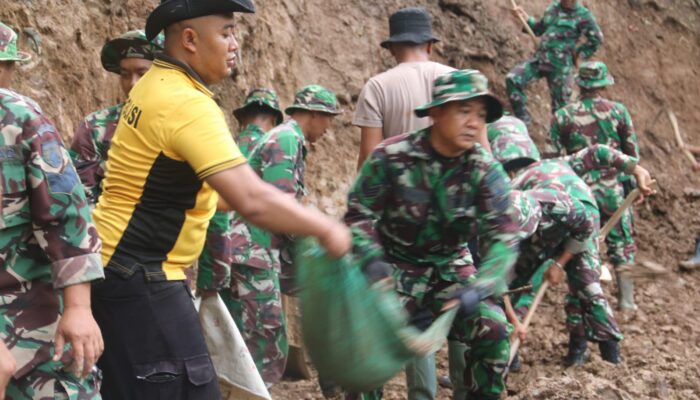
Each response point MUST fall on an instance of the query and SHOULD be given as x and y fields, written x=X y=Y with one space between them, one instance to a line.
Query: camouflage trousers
x=620 y=241
x=49 y=381
x=255 y=302
x=588 y=312
x=559 y=80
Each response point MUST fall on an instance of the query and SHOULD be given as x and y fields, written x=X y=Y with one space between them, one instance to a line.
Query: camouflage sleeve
x=280 y=163
x=214 y=267
x=625 y=128
x=553 y=144
x=366 y=202
x=497 y=230
x=600 y=156
x=540 y=27
x=61 y=217
x=594 y=37
x=87 y=160
x=569 y=213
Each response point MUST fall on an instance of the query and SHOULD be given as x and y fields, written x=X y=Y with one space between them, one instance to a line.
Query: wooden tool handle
x=528 y=317
x=525 y=24
x=629 y=200
x=679 y=138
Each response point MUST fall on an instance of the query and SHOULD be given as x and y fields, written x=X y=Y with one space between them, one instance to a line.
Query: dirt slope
x=652 y=48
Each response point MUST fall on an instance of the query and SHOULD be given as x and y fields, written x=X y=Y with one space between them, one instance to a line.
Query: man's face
x=568 y=3
x=130 y=71
x=215 y=47
x=320 y=122
x=458 y=124
x=7 y=70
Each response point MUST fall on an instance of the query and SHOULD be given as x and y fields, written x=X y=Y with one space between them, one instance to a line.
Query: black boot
x=610 y=351
x=577 y=351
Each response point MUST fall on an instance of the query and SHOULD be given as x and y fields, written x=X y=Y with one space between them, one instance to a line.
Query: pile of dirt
x=651 y=47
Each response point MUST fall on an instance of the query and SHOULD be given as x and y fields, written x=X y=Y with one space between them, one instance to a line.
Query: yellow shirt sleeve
x=203 y=138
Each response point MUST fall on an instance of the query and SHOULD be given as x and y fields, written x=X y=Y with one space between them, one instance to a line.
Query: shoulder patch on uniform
x=51 y=153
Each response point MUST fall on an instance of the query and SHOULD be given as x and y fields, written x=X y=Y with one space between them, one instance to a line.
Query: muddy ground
x=652 y=47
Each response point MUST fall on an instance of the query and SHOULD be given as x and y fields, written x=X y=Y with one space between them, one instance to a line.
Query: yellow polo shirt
x=154 y=208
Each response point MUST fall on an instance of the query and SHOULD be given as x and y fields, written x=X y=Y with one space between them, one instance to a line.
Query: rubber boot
x=457 y=365
x=693 y=262
x=578 y=353
x=610 y=351
x=625 y=292
x=421 y=380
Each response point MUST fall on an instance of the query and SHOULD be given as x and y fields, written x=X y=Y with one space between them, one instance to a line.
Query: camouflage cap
x=527 y=213
x=506 y=125
x=8 y=46
x=132 y=44
x=263 y=98
x=507 y=148
x=594 y=74
x=463 y=85
x=315 y=98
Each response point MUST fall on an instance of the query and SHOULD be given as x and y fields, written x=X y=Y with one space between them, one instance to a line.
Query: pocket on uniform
x=160 y=380
x=13 y=186
x=200 y=370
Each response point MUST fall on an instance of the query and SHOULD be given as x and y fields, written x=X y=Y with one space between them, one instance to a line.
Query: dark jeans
x=154 y=347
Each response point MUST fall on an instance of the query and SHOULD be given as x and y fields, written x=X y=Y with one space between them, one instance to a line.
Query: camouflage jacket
x=506 y=125
x=279 y=159
x=560 y=30
x=214 y=264
x=47 y=237
x=419 y=209
x=564 y=175
x=89 y=148
x=592 y=121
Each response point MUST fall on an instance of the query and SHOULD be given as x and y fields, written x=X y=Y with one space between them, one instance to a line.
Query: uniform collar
x=165 y=61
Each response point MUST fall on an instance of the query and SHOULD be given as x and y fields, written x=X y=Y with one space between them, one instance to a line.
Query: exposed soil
x=652 y=47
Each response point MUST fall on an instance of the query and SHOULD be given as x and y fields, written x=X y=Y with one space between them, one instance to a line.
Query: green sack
x=357 y=335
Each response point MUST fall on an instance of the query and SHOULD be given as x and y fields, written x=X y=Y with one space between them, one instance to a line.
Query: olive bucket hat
x=315 y=98
x=410 y=25
x=172 y=11
x=132 y=44
x=594 y=74
x=8 y=46
x=261 y=97
x=463 y=85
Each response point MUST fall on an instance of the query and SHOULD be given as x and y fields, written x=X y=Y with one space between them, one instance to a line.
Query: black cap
x=172 y=11
x=410 y=25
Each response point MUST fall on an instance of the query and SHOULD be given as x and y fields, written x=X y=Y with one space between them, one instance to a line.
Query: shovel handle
x=679 y=138
x=528 y=317
x=525 y=24
x=629 y=200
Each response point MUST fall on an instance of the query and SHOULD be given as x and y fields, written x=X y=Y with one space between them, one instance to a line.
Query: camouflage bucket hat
x=506 y=125
x=507 y=148
x=463 y=85
x=8 y=46
x=261 y=97
x=132 y=44
x=315 y=98
x=527 y=213
x=594 y=74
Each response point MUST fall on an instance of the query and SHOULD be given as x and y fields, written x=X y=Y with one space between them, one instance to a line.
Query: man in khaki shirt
x=386 y=103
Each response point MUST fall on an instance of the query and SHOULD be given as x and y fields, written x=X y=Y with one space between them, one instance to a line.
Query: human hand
x=519 y=331
x=555 y=274
x=8 y=364
x=519 y=12
x=644 y=183
x=336 y=239
x=78 y=327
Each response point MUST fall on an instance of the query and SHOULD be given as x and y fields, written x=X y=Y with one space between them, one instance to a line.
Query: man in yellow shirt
x=172 y=151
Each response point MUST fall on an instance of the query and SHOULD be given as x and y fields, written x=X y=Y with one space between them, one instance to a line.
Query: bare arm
x=369 y=139
x=7 y=368
x=271 y=209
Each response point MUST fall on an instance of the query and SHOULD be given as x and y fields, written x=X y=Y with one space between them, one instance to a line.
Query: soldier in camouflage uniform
x=417 y=202
x=507 y=124
x=594 y=119
x=563 y=23
x=128 y=56
x=49 y=253
x=254 y=298
x=260 y=113
x=589 y=316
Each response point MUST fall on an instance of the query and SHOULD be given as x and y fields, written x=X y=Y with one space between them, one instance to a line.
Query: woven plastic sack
x=357 y=336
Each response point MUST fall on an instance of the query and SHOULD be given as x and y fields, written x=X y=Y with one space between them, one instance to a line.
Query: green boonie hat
x=8 y=46
x=462 y=85
x=506 y=125
x=315 y=98
x=261 y=97
x=132 y=44
x=594 y=74
x=507 y=148
x=527 y=213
